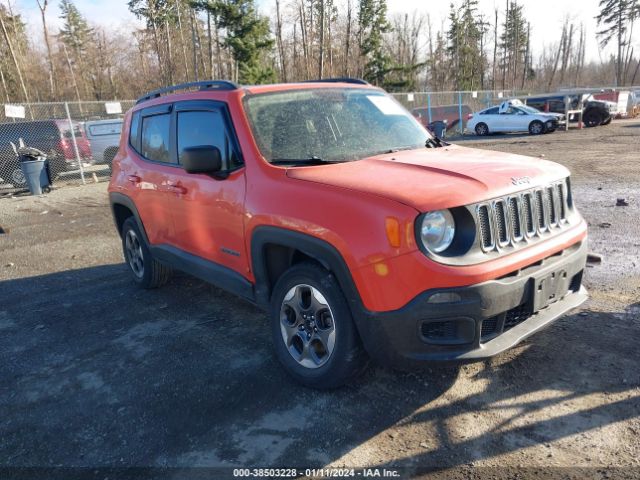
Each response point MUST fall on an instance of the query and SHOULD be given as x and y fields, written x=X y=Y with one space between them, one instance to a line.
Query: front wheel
x=536 y=127
x=313 y=332
x=146 y=270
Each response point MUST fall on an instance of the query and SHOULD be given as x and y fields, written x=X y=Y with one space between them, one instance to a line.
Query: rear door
x=146 y=175
x=490 y=118
x=208 y=210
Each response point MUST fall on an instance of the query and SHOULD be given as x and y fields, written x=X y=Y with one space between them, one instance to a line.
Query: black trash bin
x=438 y=128
x=35 y=167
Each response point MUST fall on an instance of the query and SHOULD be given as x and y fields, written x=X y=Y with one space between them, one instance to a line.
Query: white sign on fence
x=474 y=94
x=113 y=107
x=409 y=97
x=500 y=95
x=14 y=111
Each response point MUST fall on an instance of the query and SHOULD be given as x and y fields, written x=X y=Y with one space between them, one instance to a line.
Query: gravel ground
x=97 y=373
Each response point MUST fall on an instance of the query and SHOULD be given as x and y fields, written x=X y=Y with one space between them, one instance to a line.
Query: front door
x=208 y=210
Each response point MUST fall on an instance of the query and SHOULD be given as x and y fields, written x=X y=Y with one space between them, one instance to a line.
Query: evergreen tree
x=247 y=35
x=75 y=32
x=513 y=44
x=373 y=24
x=464 y=39
x=615 y=18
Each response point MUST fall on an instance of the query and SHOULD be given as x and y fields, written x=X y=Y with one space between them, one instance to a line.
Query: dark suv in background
x=594 y=113
x=53 y=137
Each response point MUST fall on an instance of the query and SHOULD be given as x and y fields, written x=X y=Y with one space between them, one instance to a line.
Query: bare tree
x=283 y=61
x=42 y=5
x=15 y=61
x=178 y=8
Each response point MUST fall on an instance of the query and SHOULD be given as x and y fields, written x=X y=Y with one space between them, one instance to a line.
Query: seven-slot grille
x=515 y=218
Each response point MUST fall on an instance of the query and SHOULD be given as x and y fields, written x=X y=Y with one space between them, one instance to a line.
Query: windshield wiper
x=434 y=142
x=312 y=160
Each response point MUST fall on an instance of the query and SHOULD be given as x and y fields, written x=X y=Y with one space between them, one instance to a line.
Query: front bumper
x=478 y=321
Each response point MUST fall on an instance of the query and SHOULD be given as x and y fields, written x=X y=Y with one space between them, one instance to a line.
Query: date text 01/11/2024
x=316 y=472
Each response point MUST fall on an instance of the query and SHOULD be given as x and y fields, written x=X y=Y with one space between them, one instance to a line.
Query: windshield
x=331 y=124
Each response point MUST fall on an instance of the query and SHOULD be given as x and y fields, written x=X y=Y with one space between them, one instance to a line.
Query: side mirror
x=201 y=159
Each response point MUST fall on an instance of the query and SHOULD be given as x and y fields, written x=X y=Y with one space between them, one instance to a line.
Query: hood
x=430 y=179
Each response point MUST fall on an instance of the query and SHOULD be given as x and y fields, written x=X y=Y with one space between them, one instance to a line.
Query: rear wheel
x=146 y=271
x=313 y=332
x=592 y=119
x=536 y=127
x=482 y=129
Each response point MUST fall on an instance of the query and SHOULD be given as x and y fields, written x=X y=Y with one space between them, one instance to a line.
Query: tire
x=607 y=121
x=592 y=119
x=146 y=271
x=313 y=333
x=536 y=127
x=549 y=127
x=482 y=129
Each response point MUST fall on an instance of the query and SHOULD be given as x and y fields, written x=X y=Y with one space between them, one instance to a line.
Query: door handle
x=134 y=178
x=176 y=188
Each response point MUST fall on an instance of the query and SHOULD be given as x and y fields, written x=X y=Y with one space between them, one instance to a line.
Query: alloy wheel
x=536 y=128
x=307 y=326
x=133 y=250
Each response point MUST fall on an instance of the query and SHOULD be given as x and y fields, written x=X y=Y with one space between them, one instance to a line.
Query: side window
x=491 y=111
x=155 y=137
x=134 y=138
x=206 y=127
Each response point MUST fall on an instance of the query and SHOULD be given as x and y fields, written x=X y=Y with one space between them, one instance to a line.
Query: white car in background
x=513 y=116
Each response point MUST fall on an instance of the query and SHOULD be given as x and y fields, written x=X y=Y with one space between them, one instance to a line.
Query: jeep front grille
x=540 y=213
x=516 y=219
x=484 y=223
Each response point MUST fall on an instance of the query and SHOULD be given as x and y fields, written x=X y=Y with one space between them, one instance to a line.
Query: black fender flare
x=320 y=250
x=116 y=198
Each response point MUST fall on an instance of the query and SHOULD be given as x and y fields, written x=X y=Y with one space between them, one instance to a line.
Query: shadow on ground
x=95 y=372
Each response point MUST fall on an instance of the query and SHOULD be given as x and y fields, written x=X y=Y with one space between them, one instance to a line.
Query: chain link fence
x=452 y=107
x=79 y=138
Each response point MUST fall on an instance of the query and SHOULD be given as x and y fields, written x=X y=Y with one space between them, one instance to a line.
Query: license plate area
x=549 y=288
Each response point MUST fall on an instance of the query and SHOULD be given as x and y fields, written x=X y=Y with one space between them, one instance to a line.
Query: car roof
x=284 y=87
x=109 y=120
x=167 y=95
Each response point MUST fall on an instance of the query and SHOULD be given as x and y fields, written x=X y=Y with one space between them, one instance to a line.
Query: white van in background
x=104 y=137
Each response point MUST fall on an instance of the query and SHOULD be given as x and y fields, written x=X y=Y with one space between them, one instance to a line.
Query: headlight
x=437 y=230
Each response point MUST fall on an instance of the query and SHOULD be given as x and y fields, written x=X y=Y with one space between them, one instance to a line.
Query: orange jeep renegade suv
x=327 y=204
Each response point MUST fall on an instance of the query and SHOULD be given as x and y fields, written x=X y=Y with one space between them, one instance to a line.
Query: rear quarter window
x=155 y=138
x=134 y=132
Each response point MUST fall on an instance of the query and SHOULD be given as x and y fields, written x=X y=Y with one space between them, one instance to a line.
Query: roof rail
x=204 y=85
x=358 y=81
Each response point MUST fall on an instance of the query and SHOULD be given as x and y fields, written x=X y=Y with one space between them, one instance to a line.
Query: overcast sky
x=545 y=15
